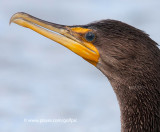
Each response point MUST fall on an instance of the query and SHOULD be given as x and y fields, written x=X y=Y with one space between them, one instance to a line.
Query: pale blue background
x=41 y=79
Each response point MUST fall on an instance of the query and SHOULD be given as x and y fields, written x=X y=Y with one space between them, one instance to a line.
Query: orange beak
x=65 y=35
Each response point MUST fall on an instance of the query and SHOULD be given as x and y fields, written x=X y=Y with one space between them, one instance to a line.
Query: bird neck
x=139 y=105
x=137 y=87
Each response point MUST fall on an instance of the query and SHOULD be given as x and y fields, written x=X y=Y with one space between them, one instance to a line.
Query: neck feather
x=139 y=105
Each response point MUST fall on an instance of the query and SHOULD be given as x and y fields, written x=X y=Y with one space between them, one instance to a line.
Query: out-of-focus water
x=41 y=79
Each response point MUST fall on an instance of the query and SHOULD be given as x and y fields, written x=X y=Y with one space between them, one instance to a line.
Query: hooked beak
x=68 y=36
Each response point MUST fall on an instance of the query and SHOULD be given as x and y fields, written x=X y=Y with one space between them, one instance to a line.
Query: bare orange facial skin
x=71 y=38
x=80 y=30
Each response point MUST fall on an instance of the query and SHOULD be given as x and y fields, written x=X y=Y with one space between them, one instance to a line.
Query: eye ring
x=89 y=36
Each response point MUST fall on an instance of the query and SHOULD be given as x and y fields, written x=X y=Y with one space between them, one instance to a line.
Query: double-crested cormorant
x=128 y=57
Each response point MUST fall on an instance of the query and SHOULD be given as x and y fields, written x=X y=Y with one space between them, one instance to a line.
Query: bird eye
x=89 y=36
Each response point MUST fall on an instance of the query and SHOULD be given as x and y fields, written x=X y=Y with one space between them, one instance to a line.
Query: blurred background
x=41 y=79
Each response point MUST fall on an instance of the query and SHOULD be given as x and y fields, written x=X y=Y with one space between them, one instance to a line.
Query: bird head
x=111 y=46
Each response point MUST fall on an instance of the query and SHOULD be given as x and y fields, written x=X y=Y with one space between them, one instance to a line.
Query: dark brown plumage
x=131 y=61
x=128 y=57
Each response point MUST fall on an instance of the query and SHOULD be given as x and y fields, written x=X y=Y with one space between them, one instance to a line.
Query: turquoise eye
x=89 y=36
